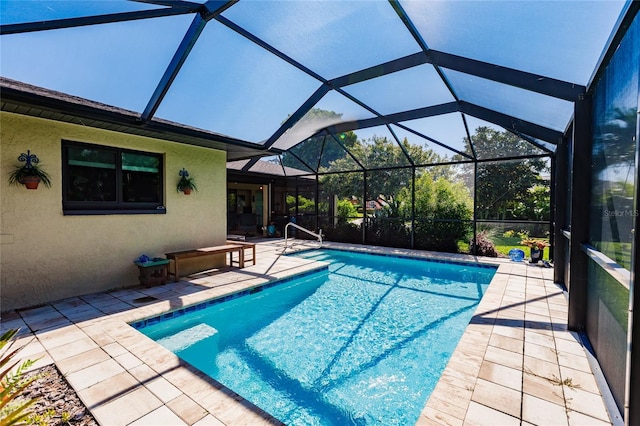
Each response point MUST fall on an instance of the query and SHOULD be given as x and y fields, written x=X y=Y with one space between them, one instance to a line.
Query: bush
x=443 y=213
x=483 y=245
x=440 y=235
x=346 y=211
x=343 y=233
x=388 y=232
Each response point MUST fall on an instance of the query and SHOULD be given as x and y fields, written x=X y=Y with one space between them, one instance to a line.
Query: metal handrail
x=286 y=231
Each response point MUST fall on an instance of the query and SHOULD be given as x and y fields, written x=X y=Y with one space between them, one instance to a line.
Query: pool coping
x=174 y=313
x=126 y=378
x=141 y=323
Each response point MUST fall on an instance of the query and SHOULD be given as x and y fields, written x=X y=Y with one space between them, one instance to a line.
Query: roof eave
x=25 y=99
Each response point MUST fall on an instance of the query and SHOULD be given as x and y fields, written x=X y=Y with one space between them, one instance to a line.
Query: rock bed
x=53 y=392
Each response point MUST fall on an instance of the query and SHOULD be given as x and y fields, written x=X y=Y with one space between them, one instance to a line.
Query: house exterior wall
x=46 y=256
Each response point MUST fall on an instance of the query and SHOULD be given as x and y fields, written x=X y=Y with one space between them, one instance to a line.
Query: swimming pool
x=364 y=342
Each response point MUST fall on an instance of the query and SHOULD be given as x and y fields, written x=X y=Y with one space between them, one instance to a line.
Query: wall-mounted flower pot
x=29 y=174
x=31 y=182
x=186 y=184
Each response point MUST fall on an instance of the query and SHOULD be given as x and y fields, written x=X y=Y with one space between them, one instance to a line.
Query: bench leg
x=175 y=271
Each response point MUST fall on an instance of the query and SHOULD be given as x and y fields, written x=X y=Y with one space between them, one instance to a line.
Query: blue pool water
x=362 y=343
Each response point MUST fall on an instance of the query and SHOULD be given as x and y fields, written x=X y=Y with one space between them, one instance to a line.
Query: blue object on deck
x=516 y=255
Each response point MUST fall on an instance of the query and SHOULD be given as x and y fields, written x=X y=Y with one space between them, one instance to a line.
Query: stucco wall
x=47 y=256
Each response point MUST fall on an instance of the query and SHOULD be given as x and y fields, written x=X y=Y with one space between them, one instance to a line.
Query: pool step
x=189 y=337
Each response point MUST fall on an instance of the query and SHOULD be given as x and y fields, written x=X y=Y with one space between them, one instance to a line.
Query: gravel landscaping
x=57 y=403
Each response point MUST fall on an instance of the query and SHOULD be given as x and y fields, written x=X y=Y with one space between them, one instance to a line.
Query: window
x=106 y=180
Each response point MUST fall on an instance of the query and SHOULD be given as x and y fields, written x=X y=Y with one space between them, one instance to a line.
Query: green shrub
x=346 y=211
x=388 y=231
x=13 y=410
x=343 y=233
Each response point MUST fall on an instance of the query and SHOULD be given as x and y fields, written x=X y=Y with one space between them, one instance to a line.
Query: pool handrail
x=286 y=231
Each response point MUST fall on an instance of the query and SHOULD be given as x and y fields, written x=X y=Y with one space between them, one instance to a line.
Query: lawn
x=504 y=244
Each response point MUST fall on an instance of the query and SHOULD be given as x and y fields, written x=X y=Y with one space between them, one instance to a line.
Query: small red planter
x=31 y=182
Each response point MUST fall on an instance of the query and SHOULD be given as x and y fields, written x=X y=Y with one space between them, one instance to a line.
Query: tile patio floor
x=515 y=365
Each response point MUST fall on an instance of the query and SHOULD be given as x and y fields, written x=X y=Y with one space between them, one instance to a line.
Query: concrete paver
x=515 y=364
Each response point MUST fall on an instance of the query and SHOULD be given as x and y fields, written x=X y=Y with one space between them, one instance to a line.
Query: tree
x=421 y=155
x=614 y=143
x=537 y=206
x=443 y=210
x=344 y=185
x=319 y=150
x=504 y=188
x=346 y=211
x=379 y=155
x=305 y=205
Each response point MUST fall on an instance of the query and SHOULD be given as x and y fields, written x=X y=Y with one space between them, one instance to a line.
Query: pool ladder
x=286 y=233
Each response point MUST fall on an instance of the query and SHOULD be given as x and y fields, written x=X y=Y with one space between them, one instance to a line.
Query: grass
x=505 y=244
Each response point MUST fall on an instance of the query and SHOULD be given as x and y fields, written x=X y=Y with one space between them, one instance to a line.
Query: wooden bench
x=206 y=251
x=246 y=246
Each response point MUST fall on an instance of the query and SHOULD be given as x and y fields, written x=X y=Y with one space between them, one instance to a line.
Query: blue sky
x=232 y=86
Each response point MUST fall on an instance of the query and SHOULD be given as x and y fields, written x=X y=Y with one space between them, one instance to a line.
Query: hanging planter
x=29 y=174
x=31 y=182
x=186 y=184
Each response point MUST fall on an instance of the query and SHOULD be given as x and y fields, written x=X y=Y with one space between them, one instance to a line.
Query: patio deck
x=515 y=364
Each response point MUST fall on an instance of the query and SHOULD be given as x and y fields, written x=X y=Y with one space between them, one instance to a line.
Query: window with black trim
x=106 y=180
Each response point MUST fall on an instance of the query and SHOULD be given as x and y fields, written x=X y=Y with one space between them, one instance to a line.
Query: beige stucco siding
x=45 y=255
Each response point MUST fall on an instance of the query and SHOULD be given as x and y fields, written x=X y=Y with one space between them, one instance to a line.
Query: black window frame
x=119 y=206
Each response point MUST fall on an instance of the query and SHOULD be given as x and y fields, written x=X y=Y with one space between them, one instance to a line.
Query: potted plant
x=186 y=183
x=29 y=174
x=537 y=248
